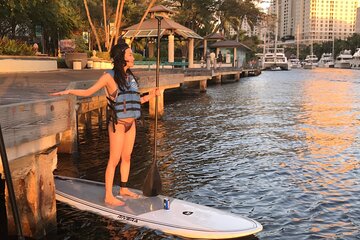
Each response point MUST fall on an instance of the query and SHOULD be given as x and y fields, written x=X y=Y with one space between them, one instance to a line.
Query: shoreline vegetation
x=74 y=19
x=23 y=26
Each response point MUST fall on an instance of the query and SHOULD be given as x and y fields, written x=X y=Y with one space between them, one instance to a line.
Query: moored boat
x=272 y=60
x=295 y=63
x=343 y=59
x=326 y=61
x=355 y=62
x=311 y=61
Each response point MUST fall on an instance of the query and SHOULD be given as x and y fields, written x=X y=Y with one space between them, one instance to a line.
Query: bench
x=174 y=64
x=162 y=64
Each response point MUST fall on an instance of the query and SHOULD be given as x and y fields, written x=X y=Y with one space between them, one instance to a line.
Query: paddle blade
x=152 y=184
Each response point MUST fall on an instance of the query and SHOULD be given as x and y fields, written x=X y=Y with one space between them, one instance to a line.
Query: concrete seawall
x=14 y=64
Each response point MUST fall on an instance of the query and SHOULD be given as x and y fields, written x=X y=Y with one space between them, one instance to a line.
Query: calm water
x=281 y=148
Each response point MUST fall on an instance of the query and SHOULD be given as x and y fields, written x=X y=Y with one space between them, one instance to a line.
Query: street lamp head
x=159 y=18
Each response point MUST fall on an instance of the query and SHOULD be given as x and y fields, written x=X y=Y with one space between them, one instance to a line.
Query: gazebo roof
x=149 y=28
x=160 y=8
x=214 y=36
x=229 y=43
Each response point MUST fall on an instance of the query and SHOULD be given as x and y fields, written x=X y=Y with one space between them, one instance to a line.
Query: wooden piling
x=203 y=85
x=31 y=133
x=160 y=106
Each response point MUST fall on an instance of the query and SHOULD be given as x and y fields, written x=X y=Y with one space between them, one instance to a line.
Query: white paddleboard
x=183 y=218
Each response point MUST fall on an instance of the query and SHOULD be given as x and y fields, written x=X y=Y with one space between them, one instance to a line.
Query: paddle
x=10 y=186
x=152 y=184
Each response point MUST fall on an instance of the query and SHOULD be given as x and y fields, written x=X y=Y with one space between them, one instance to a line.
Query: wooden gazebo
x=211 y=37
x=169 y=28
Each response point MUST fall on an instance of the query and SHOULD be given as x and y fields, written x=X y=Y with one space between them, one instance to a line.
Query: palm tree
x=230 y=16
x=92 y=26
x=106 y=31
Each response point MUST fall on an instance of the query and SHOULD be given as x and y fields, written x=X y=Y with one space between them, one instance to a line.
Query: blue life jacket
x=127 y=102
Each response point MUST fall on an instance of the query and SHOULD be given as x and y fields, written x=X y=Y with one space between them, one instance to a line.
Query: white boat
x=326 y=61
x=182 y=218
x=355 y=62
x=343 y=59
x=275 y=61
x=311 y=61
x=295 y=63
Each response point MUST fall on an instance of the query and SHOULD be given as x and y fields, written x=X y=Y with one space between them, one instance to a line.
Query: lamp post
x=58 y=40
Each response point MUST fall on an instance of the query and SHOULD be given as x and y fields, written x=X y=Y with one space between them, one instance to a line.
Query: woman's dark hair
x=117 y=53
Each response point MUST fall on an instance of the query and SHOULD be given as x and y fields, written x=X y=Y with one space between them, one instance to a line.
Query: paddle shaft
x=10 y=186
x=152 y=184
x=157 y=85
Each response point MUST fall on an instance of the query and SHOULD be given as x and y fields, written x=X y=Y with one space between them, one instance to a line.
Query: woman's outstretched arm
x=102 y=82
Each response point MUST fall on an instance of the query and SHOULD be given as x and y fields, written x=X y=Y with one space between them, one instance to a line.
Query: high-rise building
x=285 y=15
x=316 y=20
x=357 y=23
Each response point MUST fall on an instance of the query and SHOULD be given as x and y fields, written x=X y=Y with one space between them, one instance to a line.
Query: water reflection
x=329 y=121
x=329 y=118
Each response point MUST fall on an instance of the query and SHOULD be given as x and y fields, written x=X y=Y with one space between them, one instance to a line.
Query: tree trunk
x=106 y=30
x=92 y=26
x=142 y=20
x=116 y=19
x=118 y=24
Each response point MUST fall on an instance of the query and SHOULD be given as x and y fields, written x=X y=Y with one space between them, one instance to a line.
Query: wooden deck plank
x=26 y=122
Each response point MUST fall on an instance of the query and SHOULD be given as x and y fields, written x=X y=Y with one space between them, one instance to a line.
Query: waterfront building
x=286 y=13
x=315 y=20
x=357 y=23
x=245 y=26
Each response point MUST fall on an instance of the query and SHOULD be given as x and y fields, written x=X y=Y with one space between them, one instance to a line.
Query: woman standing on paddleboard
x=124 y=101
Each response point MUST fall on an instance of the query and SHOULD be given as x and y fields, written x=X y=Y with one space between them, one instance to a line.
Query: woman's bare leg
x=116 y=140
x=128 y=146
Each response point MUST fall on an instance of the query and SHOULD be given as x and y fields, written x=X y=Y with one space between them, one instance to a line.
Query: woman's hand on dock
x=65 y=92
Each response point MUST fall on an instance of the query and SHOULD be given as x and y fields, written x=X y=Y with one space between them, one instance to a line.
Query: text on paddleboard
x=126 y=218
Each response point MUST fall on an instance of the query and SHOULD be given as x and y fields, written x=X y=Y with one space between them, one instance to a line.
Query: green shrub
x=61 y=63
x=80 y=44
x=15 y=47
x=138 y=56
x=103 y=55
x=89 y=54
x=150 y=59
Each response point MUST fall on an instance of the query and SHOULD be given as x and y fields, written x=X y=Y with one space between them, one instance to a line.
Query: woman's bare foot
x=127 y=192
x=114 y=201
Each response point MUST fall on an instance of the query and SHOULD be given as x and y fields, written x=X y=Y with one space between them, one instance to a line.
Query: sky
x=265 y=4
